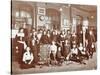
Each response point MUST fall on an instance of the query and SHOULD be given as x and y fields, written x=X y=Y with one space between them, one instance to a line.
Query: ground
x=91 y=64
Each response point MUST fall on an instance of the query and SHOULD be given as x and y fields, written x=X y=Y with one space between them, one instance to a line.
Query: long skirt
x=26 y=65
x=44 y=52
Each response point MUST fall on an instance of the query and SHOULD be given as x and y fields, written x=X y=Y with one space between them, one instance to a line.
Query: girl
x=27 y=60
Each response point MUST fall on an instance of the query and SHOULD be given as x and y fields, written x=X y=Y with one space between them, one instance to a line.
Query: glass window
x=22 y=17
x=28 y=15
x=29 y=21
x=23 y=14
x=17 y=14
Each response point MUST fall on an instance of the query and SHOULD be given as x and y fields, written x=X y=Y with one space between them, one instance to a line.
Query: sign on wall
x=41 y=11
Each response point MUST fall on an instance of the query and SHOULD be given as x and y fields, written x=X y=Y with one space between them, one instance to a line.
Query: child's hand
x=25 y=62
x=29 y=63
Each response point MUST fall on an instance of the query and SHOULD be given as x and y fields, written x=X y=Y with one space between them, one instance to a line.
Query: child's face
x=44 y=32
x=79 y=22
x=84 y=49
x=21 y=38
x=90 y=32
x=80 y=44
x=74 y=46
x=59 y=49
x=24 y=26
x=53 y=42
x=33 y=41
x=68 y=32
x=33 y=30
x=21 y=30
x=66 y=41
x=40 y=31
x=28 y=49
x=53 y=33
x=34 y=33
x=48 y=31
x=63 y=32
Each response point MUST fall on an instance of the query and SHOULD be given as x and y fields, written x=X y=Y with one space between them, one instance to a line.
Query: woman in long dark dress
x=44 y=38
x=91 y=43
x=82 y=52
x=73 y=39
x=59 y=57
x=19 y=51
x=34 y=49
x=54 y=36
x=79 y=32
x=53 y=51
x=48 y=36
x=66 y=48
x=20 y=45
x=62 y=38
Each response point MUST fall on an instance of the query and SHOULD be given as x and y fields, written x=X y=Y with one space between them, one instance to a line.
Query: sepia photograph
x=52 y=37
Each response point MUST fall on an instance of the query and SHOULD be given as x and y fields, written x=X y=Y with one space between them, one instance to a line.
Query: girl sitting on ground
x=27 y=60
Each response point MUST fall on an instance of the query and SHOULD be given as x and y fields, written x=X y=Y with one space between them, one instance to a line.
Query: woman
x=82 y=52
x=34 y=49
x=66 y=48
x=44 y=38
x=20 y=45
x=91 y=43
x=62 y=38
x=73 y=39
x=54 y=36
x=59 y=57
x=20 y=34
x=53 y=50
x=75 y=55
x=27 y=60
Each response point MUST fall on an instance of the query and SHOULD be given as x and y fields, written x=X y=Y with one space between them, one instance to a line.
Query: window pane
x=28 y=15
x=23 y=14
x=17 y=14
x=29 y=21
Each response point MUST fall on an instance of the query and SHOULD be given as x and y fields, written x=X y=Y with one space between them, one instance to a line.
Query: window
x=22 y=17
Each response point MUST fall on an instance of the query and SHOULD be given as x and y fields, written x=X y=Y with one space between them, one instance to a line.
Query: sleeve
x=31 y=58
x=25 y=45
x=24 y=57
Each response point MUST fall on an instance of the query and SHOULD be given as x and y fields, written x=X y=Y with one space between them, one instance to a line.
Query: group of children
x=59 y=47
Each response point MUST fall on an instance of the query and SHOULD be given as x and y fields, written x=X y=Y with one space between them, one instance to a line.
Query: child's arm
x=31 y=59
x=24 y=58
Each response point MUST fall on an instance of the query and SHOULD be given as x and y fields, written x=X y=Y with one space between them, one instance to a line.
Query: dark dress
x=35 y=52
x=91 y=40
x=19 y=52
x=51 y=56
x=44 y=39
x=58 y=56
x=73 y=40
x=66 y=50
x=61 y=40
x=54 y=37
x=49 y=39
x=79 y=34
x=26 y=34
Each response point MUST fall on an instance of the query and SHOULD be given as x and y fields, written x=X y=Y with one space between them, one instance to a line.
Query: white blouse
x=81 y=48
x=28 y=56
x=20 y=34
x=74 y=51
x=92 y=45
x=39 y=36
x=53 y=48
